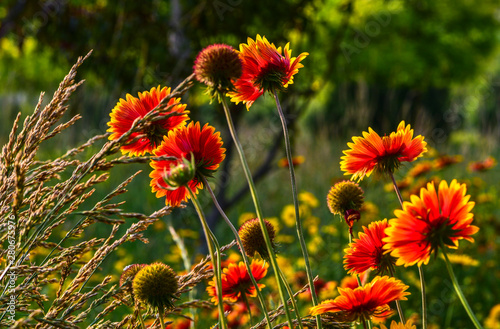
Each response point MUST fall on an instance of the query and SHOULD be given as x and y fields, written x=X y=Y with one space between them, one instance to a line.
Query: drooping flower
x=156 y=285
x=253 y=240
x=236 y=281
x=127 y=111
x=361 y=303
x=203 y=144
x=384 y=154
x=265 y=68
x=217 y=66
x=367 y=251
x=436 y=217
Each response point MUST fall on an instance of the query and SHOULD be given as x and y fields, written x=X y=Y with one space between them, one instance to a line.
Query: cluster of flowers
x=190 y=153
x=427 y=223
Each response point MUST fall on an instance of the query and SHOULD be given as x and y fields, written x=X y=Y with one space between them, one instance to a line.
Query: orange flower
x=420 y=169
x=364 y=302
x=204 y=144
x=435 y=217
x=367 y=252
x=236 y=281
x=296 y=160
x=384 y=154
x=265 y=68
x=487 y=164
x=127 y=111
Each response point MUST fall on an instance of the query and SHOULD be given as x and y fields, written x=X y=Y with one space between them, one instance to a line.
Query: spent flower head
x=217 y=66
x=156 y=286
x=253 y=240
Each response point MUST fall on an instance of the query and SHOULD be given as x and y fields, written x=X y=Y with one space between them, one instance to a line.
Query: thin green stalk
x=243 y=254
x=292 y=299
x=458 y=290
x=216 y=265
x=420 y=269
x=258 y=209
x=186 y=262
x=357 y=275
x=298 y=223
x=398 y=304
x=247 y=304
x=160 y=315
x=363 y=321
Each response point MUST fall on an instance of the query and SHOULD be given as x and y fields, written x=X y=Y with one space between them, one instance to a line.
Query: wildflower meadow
x=210 y=201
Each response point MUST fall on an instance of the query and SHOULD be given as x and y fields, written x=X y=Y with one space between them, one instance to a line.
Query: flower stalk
x=298 y=224
x=245 y=257
x=458 y=290
x=258 y=209
x=420 y=269
x=209 y=236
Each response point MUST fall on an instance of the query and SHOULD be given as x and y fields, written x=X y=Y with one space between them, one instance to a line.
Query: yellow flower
x=464 y=260
x=493 y=319
x=308 y=199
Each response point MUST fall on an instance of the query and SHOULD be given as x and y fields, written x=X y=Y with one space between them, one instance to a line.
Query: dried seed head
x=156 y=285
x=253 y=240
x=217 y=66
x=344 y=196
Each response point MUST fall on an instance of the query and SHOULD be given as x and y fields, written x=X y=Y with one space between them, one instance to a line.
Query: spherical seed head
x=217 y=66
x=344 y=196
x=156 y=285
x=252 y=238
x=129 y=273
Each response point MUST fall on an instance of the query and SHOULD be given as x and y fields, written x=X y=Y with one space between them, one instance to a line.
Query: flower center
x=155 y=134
x=440 y=231
x=271 y=77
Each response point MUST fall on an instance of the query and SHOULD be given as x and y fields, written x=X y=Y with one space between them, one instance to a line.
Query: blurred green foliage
x=370 y=63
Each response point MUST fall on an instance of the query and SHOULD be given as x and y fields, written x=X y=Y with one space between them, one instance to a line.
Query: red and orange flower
x=236 y=281
x=265 y=68
x=484 y=165
x=427 y=222
x=367 y=251
x=202 y=146
x=127 y=111
x=364 y=302
x=384 y=154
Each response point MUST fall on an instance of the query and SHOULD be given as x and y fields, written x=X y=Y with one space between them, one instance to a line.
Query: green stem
x=247 y=304
x=258 y=209
x=242 y=249
x=350 y=241
x=186 y=262
x=398 y=304
x=420 y=269
x=292 y=299
x=458 y=290
x=363 y=321
x=216 y=265
x=298 y=223
x=160 y=315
